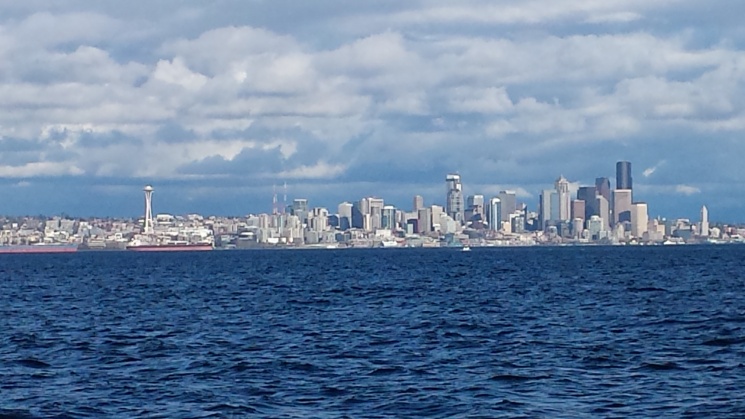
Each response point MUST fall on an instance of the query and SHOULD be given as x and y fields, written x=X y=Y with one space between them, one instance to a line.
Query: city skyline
x=457 y=200
x=216 y=103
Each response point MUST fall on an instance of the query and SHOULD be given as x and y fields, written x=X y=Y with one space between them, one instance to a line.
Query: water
x=534 y=332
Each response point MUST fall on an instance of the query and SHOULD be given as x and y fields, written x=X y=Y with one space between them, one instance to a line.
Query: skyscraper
x=603 y=211
x=418 y=203
x=639 y=219
x=300 y=209
x=565 y=199
x=704 y=222
x=621 y=205
x=578 y=209
x=424 y=220
x=509 y=204
x=345 y=215
x=494 y=214
x=454 y=203
x=474 y=207
x=549 y=210
x=388 y=217
x=623 y=175
x=587 y=194
x=602 y=188
x=376 y=213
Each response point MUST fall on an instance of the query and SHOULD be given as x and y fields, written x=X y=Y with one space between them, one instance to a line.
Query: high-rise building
x=345 y=215
x=424 y=220
x=300 y=209
x=639 y=219
x=603 y=211
x=555 y=208
x=474 y=207
x=623 y=175
x=454 y=203
x=388 y=219
x=704 y=222
x=418 y=203
x=376 y=213
x=509 y=203
x=548 y=211
x=621 y=205
x=578 y=210
x=587 y=194
x=494 y=214
x=565 y=199
x=436 y=213
x=360 y=212
x=602 y=188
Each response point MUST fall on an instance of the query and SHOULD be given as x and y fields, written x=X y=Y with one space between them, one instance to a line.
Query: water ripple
x=414 y=333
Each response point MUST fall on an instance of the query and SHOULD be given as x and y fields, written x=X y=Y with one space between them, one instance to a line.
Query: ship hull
x=171 y=248
x=49 y=248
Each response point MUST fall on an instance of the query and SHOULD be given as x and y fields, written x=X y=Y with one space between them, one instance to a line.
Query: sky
x=215 y=102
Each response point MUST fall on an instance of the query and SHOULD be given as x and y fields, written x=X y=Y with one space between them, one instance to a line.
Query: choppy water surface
x=536 y=332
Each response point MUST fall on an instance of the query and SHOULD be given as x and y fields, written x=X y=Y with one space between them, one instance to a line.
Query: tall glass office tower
x=454 y=200
x=623 y=175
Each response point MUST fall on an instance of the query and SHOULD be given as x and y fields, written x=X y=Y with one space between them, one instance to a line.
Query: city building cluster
x=594 y=214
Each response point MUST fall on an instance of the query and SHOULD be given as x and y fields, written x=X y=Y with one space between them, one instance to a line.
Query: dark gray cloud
x=341 y=98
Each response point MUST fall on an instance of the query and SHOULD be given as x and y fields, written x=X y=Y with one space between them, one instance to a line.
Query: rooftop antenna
x=284 y=205
x=274 y=199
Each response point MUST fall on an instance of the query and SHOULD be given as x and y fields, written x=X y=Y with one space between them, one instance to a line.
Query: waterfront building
x=639 y=219
x=656 y=230
x=509 y=203
x=454 y=198
x=704 y=230
x=517 y=223
x=320 y=219
x=623 y=175
x=621 y=205
x=494 y=214
x=577 y=227
x=596 y=226
x=447 y=224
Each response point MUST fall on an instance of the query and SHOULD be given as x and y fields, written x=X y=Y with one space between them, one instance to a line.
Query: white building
x=565 y=199
x=704 y=231
x=639 y=219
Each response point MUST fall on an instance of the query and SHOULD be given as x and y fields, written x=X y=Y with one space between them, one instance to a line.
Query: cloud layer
x=215 y=101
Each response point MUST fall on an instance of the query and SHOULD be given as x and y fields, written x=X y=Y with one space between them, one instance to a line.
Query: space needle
x=148 y=228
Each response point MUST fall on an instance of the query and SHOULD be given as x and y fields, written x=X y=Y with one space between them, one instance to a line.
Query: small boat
x=465 y=248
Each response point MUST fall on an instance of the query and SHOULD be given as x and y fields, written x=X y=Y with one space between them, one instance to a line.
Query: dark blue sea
x=563 y=332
